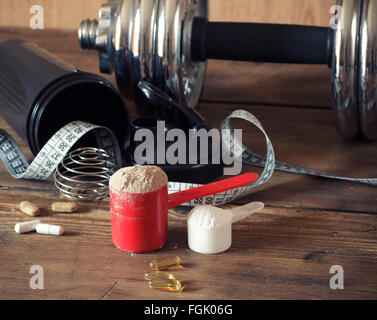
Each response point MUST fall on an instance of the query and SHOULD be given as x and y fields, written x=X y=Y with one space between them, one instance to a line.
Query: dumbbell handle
x=261 y=42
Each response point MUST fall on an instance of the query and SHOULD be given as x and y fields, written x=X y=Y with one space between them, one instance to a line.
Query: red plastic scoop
x=176 y=199
x=140 y=220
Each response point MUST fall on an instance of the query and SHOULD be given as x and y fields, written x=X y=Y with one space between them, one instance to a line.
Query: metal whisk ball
x=84 y=174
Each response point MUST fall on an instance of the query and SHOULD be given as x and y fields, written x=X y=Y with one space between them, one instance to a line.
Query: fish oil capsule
x=64 y=207
x=28 y=226
x=49 y=229
x=166 y=263
x=29 y=208
x=170 y=285
x=159 y=275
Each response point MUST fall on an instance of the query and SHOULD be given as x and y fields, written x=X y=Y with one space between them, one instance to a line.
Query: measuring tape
x=251 y=158
x=54 y=150
x=60 y=144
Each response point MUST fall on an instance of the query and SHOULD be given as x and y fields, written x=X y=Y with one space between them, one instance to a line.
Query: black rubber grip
x=260 y=42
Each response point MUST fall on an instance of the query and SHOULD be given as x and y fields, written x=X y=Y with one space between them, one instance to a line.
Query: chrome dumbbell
x=167 y=43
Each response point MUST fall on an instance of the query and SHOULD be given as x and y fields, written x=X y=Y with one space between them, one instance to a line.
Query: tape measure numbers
x=54 y=150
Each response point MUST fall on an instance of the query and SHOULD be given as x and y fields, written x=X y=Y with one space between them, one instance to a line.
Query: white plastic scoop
x=243 y=212
x=209 y=228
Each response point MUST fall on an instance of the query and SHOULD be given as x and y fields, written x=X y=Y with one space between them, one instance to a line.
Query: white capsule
x=27 y=226
x=49 y=229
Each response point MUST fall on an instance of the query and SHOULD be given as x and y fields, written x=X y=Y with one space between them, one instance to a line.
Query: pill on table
x=29 y=208
x=166 y=263
x=28 y=226
x=171 y=285
x=64 y=207
x=49 y=229
x=155 y=275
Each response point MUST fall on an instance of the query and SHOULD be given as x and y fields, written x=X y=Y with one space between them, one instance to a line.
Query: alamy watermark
x=337 y=281
x=37 y=18
x=176 y=147
x=336 y=19
x=37 y=280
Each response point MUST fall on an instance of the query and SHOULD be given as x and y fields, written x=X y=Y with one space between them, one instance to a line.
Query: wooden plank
x=278 y=84
x=304 y=12
x=58 y=14
x=251 y=83
x=277 y=254
x=68 y=14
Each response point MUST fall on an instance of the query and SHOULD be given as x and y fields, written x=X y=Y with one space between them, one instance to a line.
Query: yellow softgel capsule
x=159 y=275
x=170 y=285
x=166 y=263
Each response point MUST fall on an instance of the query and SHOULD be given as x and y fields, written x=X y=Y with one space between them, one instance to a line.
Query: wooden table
x=284 y=252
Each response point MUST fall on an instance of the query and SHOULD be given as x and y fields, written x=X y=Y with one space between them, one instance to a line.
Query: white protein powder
x=209 y=230
x=208 y=218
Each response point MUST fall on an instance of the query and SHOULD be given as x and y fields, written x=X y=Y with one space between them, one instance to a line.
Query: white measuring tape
x=54 y=150
x=60 y=144
x=251 y=158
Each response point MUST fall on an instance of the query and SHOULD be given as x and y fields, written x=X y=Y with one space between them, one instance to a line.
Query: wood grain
x=284 y=252
x=67 y=14
x=294 y=85
x=278 y=254
x=305 y=12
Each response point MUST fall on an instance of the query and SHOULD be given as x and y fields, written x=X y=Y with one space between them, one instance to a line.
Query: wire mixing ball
x=84 y=174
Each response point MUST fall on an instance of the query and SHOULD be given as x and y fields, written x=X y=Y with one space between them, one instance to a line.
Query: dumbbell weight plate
x=133 y=42
x=176 y=73
x=345 y=69
x=148 y=46
x=368 y=69
x=192 y=74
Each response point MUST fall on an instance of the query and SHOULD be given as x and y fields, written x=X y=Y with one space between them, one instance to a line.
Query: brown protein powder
x=139 y=179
